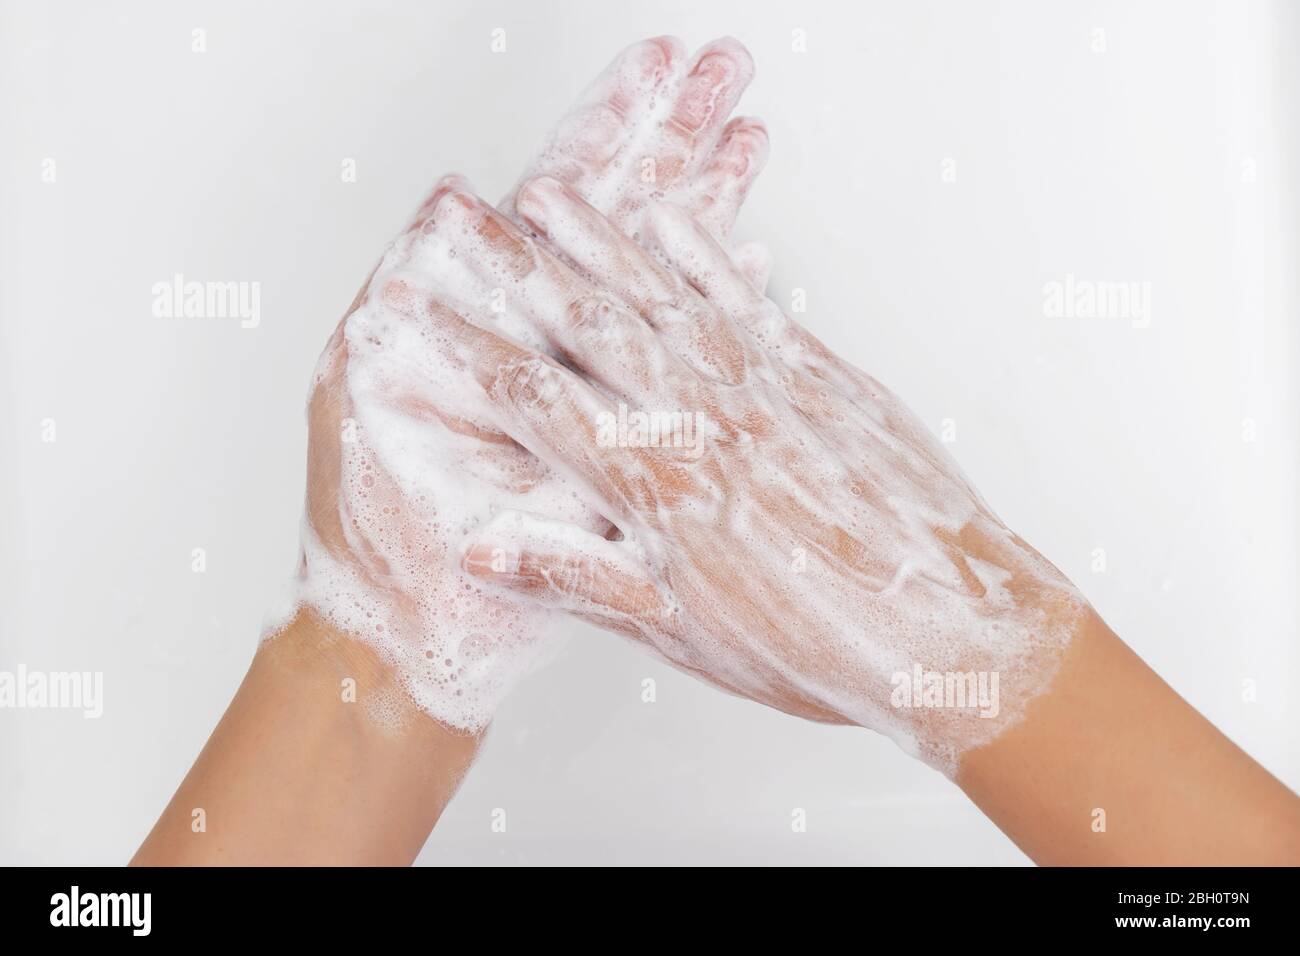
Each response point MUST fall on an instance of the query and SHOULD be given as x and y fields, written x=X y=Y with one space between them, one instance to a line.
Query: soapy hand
x=789 y=530
x=782 y=527
x=403 y=459
x=527 y=412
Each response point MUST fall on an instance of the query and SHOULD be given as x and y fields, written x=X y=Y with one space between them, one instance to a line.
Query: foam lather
x=407 y=457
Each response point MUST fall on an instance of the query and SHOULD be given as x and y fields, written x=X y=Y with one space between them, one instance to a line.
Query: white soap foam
x=423 y=464
x=904 y=565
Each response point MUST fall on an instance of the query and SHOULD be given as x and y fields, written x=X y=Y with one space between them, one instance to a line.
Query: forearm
x=1110 y=737
x=302 y=771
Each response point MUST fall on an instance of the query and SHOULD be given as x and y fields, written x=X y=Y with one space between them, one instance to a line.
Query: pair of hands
x=795 y=535
x=581 y=403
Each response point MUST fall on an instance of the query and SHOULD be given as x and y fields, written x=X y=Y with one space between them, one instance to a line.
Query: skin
x=901 y=560
x=397 y=537
x=1110 y=735
x=1103 y=732
x=1088 y=726
x=293 y=775
x=297 y=775
x=303 y=788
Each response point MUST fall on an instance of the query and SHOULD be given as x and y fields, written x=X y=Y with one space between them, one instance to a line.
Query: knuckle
x=571 y=576
x=597 y=323
x=526 y=383
x=591 y=315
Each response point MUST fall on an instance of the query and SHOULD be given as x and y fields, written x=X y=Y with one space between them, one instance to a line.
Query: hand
x=809 y=542
x=402 y=462
x=794 y=535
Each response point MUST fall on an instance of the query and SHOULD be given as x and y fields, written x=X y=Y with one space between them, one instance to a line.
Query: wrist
x=1110 y=766
x=311 y=653
x=320 y=759
x=347 y=689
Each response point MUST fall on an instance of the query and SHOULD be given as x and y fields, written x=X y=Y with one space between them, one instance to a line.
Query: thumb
x=568 y=568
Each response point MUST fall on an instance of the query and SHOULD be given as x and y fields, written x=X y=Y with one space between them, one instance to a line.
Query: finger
x=452 y=181
x=609 y=260
x=586 y=144
x=426 y=261
x=693 y=253
x=562 y=567
x=715 y=79
x=565 y=567
x=688 y=248
x=719 y=191
x=754 y=260
x=547 y=409
x=594 y=333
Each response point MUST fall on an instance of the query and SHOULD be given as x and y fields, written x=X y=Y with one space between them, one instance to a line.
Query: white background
x=1130 y=164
